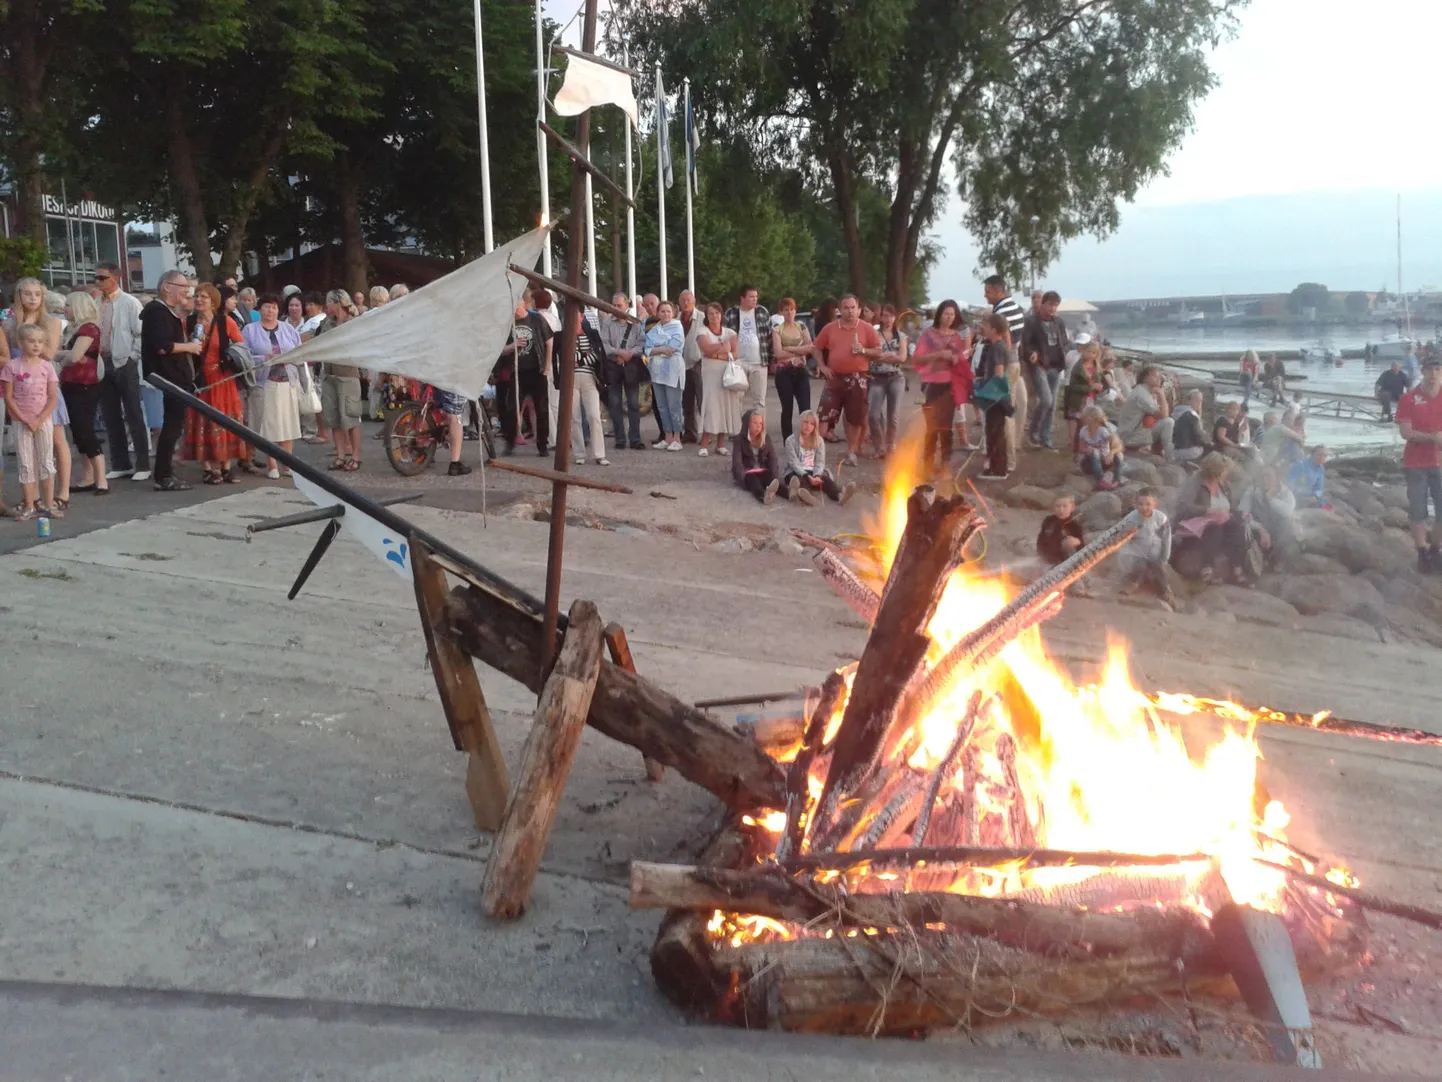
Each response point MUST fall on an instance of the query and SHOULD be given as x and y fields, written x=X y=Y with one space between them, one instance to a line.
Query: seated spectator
x=806 y=470
x=1294 y=418
x=1274 y=379
x=1061 y=531
x=1391 y=385
x=1308 y=479
x=1099 y=449
x=1144 y=558
x=1082 y=388
x=1270 y=508
x=1126 y=376
x=1213 y=542
x=1279 y=444
x=1144 y=419
x=1189 y=440
x=753 y=461
x=1227 y=433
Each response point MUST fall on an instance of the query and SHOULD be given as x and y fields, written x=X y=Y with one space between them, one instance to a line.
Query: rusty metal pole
x=570 y=334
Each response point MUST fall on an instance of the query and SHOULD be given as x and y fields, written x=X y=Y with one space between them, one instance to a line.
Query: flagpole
x=661 y=181
x=541 y=139
x=487 y=236
x=690 y=239
x=590 y=239
x=630 y=207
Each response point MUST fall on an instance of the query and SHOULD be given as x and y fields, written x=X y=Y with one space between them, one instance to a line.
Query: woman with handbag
x=993 y=392
x=942 y=350
x=205 y=441
x=81 y=370
x=720 y=403
x=278 y=385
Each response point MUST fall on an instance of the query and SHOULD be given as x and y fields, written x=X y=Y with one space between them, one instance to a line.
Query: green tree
x=1309 y=296
x=1053 y=109
x=1357 y=305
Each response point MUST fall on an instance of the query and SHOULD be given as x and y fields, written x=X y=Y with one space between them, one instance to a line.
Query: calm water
x=1262 y=339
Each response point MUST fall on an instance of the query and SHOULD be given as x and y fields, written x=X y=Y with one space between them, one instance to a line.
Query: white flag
x=589 y=84
x=663 y=130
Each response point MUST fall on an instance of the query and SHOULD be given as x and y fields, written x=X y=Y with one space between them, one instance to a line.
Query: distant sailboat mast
x=1406 y=311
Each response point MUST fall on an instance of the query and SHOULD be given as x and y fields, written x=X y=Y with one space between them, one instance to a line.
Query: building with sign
x=79 y=235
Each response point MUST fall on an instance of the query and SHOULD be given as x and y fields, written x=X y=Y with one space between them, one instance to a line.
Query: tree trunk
x=352 y=238
x=843 y=186
x=249 y=196
x=190 y=200
x=30 y=51
x=898 y=285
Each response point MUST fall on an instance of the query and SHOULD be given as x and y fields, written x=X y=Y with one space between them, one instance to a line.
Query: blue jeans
x=1043 y=385
x=632 y=414
x=668 y=407
x=883 y=401
x=1092 y=465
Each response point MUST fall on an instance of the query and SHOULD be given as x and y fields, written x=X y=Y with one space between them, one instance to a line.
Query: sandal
x=54 y=510
x=228 y=477
x=61 y=504
x=246 y=466
x=210 y=477
x=351 y=465
x=338 y=464
x=103 y=491
x=82 y=488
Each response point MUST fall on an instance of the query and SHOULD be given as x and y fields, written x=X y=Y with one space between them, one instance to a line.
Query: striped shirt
x=1015 y=317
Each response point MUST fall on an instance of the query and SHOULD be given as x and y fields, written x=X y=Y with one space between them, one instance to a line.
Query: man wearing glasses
x=120 y=386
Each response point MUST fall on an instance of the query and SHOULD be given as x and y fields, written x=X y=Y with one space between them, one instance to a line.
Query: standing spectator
x=845 y=349
x=887 y=384
x=1247 y=373
x=941 y=350
x=80 y=387
x=1144 y=419
x=295 y=310
x=1189 y=440
x=665 y=344
x=790 y=347
x=625 y=372
x=313 y=311
x=720 y=406
x=1003 y=305
x=1036 y=302
x=996 y=358
x=753 y=466
x=29 y=299
x=530 y=346
x=1391 y=385
x=1044 y=348
x=120 y=386
x=691 y=323
x=1274 y=378
x=277 y=383
x=752 y=324
x=167 y=351
x=245 y=308
x=399 y=290
x=1082 y=388
x=650 y=303
x=379 y=381
x=205 y=441
x=340 y=389
x=586 y=396
x=806 y=471
x=1016 y=420
x=544 y=305
x=358 y=302
x=31 y=393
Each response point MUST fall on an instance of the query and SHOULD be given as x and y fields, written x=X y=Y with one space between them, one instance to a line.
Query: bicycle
x=416 y=428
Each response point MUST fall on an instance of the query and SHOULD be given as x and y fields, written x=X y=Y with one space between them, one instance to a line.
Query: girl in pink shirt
x=942 y=357
x=31 y=390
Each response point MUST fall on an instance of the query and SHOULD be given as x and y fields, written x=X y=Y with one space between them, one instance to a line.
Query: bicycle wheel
x=409 y=441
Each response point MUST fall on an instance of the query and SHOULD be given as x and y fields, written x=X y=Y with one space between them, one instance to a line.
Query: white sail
x=448 y=334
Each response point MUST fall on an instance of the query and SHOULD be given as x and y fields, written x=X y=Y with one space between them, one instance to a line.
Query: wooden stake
x=545 y=765
x=465 y=706
x=620 y=651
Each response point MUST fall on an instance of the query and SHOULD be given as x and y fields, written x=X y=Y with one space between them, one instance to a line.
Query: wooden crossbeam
x=574 y=153
x=573 y=292
x=487 y=785
x=620 y=651
x=594 y=59
x=557 y=477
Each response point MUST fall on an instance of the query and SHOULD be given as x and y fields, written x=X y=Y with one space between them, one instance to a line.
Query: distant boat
x=1186 y=318
x=1319 y=354
x=1391 y=349
x=1228 y=312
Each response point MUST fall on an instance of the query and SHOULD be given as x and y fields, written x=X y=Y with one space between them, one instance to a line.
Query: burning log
x=846 y=585
x=625 y=706
x=797 y=776
x=987 y=857
x=546 y=763
x=943 y=768
x=1021 y=829
x=1026 y=610
x=931 y=548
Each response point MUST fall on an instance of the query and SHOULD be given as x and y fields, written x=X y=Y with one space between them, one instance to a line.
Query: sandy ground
x=204 y=787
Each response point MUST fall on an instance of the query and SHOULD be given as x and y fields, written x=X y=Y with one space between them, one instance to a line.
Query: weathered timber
x=943 y=768
x=843 y=581
x=987 y=857
x=620 y=650
x=545 y=765
x=487 y=784
x=797 y=776
x=766 y=891
x=625 y=707
x=930 y=549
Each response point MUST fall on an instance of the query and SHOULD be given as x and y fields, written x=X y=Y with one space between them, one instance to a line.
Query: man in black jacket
x=166 y=350
x=1044 y=344
x=1390 y=387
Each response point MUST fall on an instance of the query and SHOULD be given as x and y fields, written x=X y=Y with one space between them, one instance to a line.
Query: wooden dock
x=1315 y=403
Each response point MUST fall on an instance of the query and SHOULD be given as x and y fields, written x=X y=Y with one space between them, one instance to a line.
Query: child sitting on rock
x=1144 y=558
x=1308 y=479
x=1061 y=531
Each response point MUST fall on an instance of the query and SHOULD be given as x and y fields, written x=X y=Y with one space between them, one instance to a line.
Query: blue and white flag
x=663 y=131
x=693 y=145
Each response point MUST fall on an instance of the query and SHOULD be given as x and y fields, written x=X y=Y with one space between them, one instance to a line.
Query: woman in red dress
x=205 y=441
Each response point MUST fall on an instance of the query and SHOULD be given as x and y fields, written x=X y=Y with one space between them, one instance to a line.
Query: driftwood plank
x=620 y=651
x=465 y=708
x=625 y=707
x=545 y=765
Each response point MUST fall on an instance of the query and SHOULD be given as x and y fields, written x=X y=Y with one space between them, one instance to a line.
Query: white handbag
x=734 y=377
x=309 y=395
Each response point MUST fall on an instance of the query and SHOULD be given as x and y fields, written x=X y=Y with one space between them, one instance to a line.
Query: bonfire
x=969 y=833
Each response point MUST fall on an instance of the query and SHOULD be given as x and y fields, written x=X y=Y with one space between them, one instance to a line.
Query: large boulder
x=1396 y=517
x=1325 y=533
x=1365 y=502
x=1393 y=496
x=1172 y=475
x=1141 y=470
x=1029 y=496
x=1309 y=563
x=1252 y=605
x=1101 y=509
x=1350 y=595
x=1342 y=627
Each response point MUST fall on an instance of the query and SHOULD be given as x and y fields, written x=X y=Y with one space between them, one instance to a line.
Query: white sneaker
x=274 y=475
x=723 y=450
x=702 y=453
x=992 y=476
x=674 y=445
x=115 y=475
x=580 y=460
x=659 y=445
x=603 y=461
x=806 y=496
x=140 y=475
x=771 y=491
x=847 y=491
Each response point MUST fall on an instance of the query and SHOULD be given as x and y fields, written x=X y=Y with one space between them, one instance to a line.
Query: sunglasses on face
x=102 y=277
